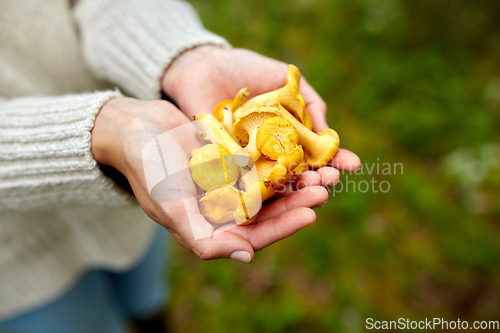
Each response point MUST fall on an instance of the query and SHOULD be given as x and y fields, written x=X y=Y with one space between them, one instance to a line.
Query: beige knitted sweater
x=59 y=215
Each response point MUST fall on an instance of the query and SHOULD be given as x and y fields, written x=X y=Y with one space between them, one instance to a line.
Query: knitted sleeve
x=45 y=155
x=132 y=42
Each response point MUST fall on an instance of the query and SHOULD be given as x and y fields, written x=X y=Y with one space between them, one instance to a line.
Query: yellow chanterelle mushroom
x=281 y=170
x=210 y=167
x=264 y=142
x=276 y=136
x=216 y=133
x=301 y=167
x=319 y=147
x=262 y=185
x=219 y=204
x=247 y=126
x=251 y=201
x=218 y=109
x=289 y=96
x=233 y=104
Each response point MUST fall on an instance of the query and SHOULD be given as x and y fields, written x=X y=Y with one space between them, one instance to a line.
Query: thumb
x=209 y=243
x=315 y=105
x=224 y=245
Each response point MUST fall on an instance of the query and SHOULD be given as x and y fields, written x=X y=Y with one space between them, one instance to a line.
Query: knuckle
x=160 y=104
x=322 y=105
x=205 y=254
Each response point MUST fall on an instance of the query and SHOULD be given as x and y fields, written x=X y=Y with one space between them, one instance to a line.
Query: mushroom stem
x=301 y=167
x=247 y=127
x=210 y=126
x=240 y=98
x=227 y=121
x=252 y=149
x=319 y=147
x=280 y=171
x=233 y=104
x=217 y=134
x=249 y=176
x=282 y=95
x=251 y=202
x=289 y=96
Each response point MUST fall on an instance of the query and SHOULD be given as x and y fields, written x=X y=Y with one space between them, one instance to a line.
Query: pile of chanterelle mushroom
x=256 y=145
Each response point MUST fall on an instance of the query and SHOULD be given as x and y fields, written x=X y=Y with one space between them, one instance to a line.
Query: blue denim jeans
x=103 y=301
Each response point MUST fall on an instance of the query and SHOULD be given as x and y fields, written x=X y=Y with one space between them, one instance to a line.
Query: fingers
x=329 y=176
x=195 y=232
x=325 y=176
x=309 y=196
x=307 y=178
x=346 y=160
x=239 y=243
x=278 y=220
x=315 y=105
x=224 y=245
x=274 y=229
x=207 y=243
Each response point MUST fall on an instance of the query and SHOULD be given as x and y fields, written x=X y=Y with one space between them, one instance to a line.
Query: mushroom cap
x=276 y=136
x=293 y=76
x=212 y=166
x=301 y=167
x=288 y=96
x=233 y=104
x=323 y=149
x=240 y=98
x=219 y=204
x=264 y=167
x=251 y=120
x=218 y=109
x=319 y=147
x=280 y=171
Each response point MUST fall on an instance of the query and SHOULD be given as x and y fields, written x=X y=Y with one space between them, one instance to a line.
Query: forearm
x=132 y=42
x=45 y=153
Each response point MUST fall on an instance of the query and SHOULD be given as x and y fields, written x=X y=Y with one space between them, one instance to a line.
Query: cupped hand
x=125 y=126
x=200 y=78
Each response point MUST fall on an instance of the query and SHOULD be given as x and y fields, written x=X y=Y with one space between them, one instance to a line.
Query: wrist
x=106 y=134
x=197 y=54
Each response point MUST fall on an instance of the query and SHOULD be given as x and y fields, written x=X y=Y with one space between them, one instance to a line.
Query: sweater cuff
x=45 y=154
x=131 y=43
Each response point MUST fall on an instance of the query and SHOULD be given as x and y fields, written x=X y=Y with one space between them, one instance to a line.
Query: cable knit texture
x=126 y=43
x=59 y=215
x=45 y=156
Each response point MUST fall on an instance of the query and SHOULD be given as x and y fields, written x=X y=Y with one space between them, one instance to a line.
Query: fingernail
x=320 y=205
x=242 y=256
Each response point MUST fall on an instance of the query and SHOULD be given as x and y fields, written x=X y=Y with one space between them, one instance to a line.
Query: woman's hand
x=125 y=126
x=202 y=77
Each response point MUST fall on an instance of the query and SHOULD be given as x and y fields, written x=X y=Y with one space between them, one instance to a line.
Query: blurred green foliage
x=412 y=82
